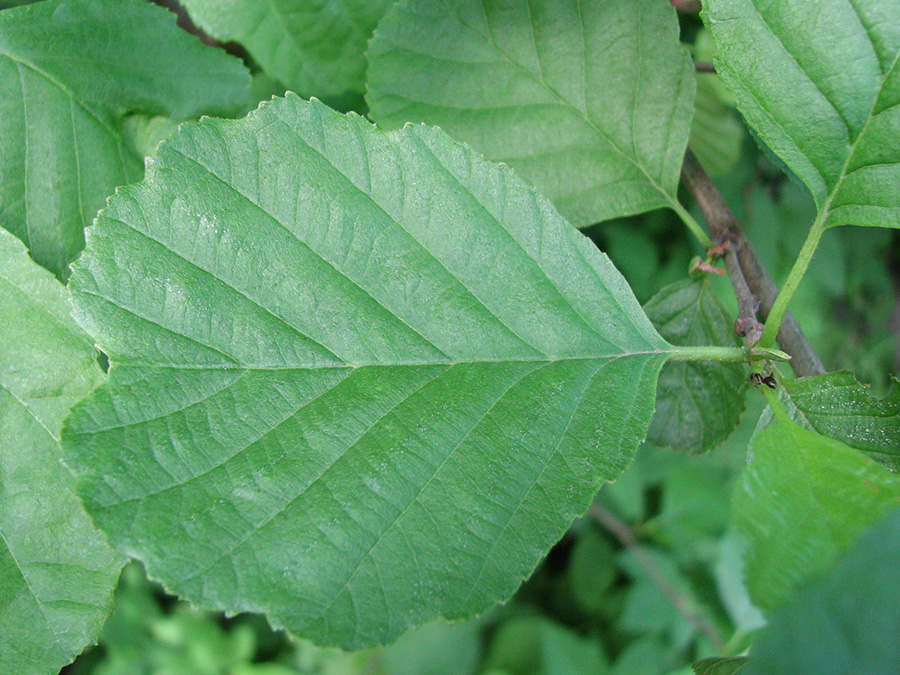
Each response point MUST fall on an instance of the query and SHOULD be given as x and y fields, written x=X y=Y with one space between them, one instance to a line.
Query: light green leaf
x=69 y=69
x=589 y=100
x=698 y=403
x=314 y=47
x=845 y=622
x=837 y=406
x=819 y=81
x=802 y=499
x=56 y=572
x=358 y=380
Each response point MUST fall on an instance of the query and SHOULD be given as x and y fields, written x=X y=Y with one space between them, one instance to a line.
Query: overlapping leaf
x=358 y=379
x=819 y=81
x=589 y=100
x=845 y=622
x=698 y=403
x=315 y=48
x=69 y=69
x=838 y=406
x=801 y=500
x=57 y=574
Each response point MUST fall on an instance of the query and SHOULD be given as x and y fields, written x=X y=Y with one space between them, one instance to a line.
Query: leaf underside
x=819 y=81
x=589 y=100
x=358 y=379
x=57 y=574
x=68 y=71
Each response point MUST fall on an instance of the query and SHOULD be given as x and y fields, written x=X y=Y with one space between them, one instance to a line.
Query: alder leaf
x=802 y=499
x=358 y=379
x=698 y=403
x=69 y=70
x=819 y=81
x=315 y=48
x=589 y=100
x=57 y=574
x=837 y=406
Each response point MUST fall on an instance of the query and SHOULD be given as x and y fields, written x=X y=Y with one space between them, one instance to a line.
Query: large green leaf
x=845 y=622
x=589 y=100
x=838 y=406
x=57 y=573
x=315 y=47
x=357 y=379
x=69 y=69
x=801 y=500
x=698 y=403
x=819 y=81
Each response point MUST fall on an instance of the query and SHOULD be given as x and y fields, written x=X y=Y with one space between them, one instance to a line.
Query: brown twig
x=682 y=603
x=747 y=325
x=726 y=230
x=704 y=67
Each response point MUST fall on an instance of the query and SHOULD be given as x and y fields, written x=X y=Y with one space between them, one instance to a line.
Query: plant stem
x=773 y=322
x=747 y=326
x=725 y=228
x=680 y=601
x=725 y=354
x=695 y=227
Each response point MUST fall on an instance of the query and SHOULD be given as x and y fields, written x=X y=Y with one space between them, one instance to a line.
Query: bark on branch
x=745 y=269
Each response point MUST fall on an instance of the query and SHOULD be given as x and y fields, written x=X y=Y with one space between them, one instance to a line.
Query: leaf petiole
x=779 y=307
x=723 y=354
x=692 y=224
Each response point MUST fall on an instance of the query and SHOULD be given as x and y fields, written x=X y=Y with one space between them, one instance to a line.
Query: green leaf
x=591 y=570
x=315 y=48
x=720 y=665
x=589 y=100
x=437 y=648
x=819 y=81
x=801 y=500
x=837 y=406
x=846 y=622
x=698 y=403
x=534 y=644
x=57 y=574
x=358 y=379
x=68 y=71
x=716 y=133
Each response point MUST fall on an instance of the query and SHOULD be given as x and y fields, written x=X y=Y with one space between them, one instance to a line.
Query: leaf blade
x=524 y=68
x=57 y=574
x=828 y=492
x=699 y=404
x=342 y=327
x=69 y=69
x=820 y=84
x=316 y=50
x=837 y=406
